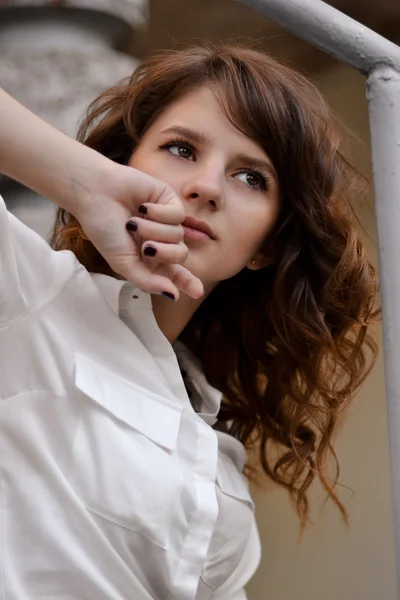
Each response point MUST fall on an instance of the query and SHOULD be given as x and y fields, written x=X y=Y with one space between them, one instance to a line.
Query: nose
x=205 y=185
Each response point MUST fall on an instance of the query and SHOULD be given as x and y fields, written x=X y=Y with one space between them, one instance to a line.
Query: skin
x=205 y=182
x=196 y=150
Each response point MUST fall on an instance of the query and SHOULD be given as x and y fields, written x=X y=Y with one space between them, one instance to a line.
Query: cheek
x=249 y=231
x=140 y=160
x=242 y=240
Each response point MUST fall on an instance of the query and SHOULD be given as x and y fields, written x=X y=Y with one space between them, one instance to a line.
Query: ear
x=259 y=261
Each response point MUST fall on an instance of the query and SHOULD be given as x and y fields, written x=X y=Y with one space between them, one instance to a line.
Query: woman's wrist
x=80 y=177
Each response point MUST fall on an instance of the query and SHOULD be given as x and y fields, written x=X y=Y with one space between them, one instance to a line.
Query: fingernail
x=150 y=251
x=142 y=209
x=168 y=295
x=131 y=226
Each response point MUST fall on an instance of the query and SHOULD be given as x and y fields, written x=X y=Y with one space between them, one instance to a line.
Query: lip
x=193 y=223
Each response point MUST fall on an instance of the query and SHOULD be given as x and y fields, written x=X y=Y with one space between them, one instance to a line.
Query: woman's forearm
x=43 y=158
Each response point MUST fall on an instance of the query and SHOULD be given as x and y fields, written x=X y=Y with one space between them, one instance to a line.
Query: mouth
x=197 y=229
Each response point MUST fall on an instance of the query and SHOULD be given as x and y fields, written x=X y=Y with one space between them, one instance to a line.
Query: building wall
x=330 y=562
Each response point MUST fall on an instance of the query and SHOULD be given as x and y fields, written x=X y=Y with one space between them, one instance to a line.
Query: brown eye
x=251 y=179
x=181 y=151
x=184 y=152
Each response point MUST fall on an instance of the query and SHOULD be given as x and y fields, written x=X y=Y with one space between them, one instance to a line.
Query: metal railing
x=377 y=58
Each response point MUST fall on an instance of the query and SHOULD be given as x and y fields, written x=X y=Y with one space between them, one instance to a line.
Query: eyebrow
x=259 y=164
x=192 y=136
x=198 y=138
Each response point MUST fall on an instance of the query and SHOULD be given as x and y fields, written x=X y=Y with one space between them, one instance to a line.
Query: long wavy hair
x=286 y=345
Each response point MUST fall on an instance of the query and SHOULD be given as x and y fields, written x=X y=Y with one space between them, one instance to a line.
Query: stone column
x=56 y=56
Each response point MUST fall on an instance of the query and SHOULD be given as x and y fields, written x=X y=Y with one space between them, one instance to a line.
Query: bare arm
x=100 y=193
x=42 y=158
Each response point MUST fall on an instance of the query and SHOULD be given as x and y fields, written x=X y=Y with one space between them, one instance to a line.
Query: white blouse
x=112 y=487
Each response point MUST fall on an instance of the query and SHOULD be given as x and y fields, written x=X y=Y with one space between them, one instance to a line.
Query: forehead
x=194 y=104
x=200 y=109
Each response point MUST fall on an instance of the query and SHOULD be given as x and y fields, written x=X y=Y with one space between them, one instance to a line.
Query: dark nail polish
x=131 y=226
x=149 y=251
x=168 y=295
x=142 y=209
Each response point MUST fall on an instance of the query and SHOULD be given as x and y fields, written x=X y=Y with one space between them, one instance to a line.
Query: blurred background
x=55 y=57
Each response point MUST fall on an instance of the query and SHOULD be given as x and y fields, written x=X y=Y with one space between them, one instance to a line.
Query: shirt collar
x=121 y=295
x=110 y=289
x=206 y=399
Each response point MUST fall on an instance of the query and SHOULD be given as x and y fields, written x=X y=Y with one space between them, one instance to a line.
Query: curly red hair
x=287 y=345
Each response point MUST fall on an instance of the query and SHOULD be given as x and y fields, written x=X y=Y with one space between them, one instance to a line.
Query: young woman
x=206 y=293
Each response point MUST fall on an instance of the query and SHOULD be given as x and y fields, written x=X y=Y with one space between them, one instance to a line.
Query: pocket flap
x=153 y=416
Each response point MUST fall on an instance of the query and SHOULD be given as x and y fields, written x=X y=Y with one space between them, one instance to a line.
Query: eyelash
x=263 y=179
x=178 y=142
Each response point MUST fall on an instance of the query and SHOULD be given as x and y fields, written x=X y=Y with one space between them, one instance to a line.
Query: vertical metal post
x=350 y=42
x=383 y=93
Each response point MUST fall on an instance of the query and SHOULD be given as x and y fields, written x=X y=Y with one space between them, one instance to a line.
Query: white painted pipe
x=331 y=31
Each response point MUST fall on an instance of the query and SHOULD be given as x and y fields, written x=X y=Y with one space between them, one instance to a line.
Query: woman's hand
x=134 y=221
x=103 y=196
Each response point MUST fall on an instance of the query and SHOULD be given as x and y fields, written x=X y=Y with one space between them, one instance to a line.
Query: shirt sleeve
x=31 y=273
x=233 y=588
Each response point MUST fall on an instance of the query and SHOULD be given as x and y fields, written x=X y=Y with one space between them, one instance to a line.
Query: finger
x=150 y=230
x=142 y=277
x=158 y=252
x=170 y=214
x=163 y=194
x=140 y=187
x=183 y=279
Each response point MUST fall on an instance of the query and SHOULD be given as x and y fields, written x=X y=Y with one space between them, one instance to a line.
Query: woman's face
x=223 y=178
